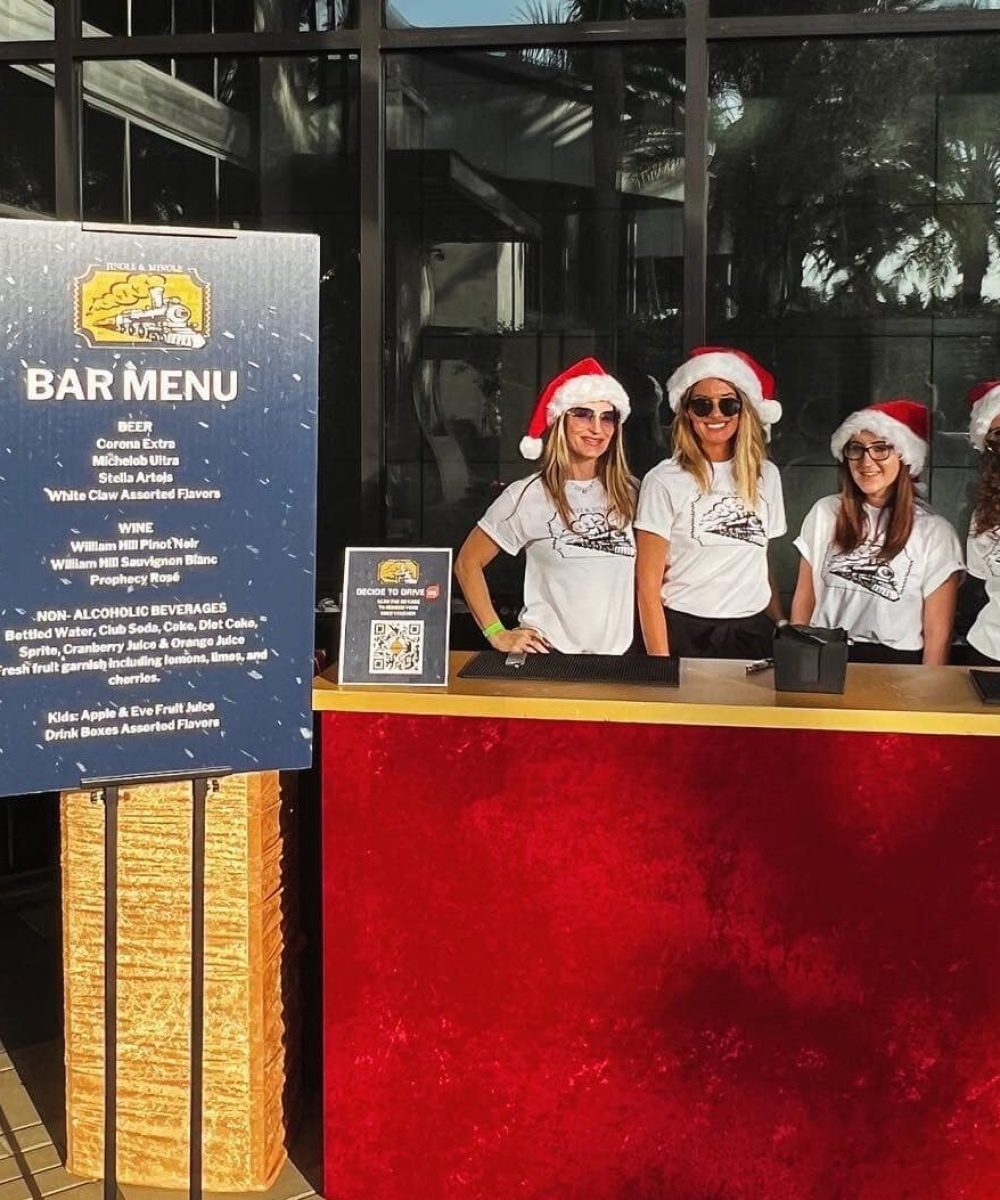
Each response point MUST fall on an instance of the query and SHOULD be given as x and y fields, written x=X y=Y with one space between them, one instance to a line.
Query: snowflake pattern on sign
x=396 y=648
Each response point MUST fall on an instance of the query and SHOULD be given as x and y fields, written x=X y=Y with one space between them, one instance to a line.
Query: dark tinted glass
x=27 y=140
x=128 y=17
x=854 y=243
x=26 y=20
x=154 y=153
x=759 y=8
x=534 y=216
x=525 y=12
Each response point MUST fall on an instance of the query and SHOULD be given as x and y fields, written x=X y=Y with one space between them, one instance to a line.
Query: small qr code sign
x=396 y=648
x=395 y=615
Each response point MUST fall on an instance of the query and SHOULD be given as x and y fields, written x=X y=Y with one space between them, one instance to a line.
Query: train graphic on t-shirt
x=591 y=532
x=863 y=568
x=728 y=517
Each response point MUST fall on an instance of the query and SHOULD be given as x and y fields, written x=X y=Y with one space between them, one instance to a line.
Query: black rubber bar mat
x=576 y=668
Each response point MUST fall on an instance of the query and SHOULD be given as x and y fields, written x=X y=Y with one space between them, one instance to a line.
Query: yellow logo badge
x=398 y=571
x=126 y=308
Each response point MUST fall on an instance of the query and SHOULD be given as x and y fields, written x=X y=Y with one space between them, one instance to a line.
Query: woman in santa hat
x=707 y=514
x=572 y=518
x=876 y=560
x=983 y=549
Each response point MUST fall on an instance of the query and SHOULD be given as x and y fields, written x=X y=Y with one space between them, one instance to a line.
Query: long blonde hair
x=749 y=452
x=612 y=470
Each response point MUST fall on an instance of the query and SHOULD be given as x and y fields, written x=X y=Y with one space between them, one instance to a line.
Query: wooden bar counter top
x=877 y=699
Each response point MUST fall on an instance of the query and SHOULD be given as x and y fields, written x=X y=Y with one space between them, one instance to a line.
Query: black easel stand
x=110 y=788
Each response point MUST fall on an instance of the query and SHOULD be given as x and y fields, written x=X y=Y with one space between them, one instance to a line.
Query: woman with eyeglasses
x=707 y=514
x=983 y=548
x=876 y=560
x=573 y=520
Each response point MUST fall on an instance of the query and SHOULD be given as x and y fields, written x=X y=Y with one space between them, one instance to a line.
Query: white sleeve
x=975 y=557
x=944 y=556
x=814 y=536
x=770 y=486
x=502 y=520
x=656 y=510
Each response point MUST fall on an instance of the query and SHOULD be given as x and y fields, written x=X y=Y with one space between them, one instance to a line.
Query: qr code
x=396 y=648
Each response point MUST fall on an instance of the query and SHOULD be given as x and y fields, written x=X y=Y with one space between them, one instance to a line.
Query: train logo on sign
x=398 y=572
x=171 y=309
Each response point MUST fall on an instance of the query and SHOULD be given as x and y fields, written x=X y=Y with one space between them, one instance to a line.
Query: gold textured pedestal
x=246 y=923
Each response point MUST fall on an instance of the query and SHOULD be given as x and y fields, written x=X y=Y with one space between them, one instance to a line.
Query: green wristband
x=496 y=627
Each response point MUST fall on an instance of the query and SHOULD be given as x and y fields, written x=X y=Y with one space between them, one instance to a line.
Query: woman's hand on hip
x=519 y=641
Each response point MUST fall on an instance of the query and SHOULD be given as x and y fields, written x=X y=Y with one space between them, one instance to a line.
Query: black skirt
x=719 y=637
x=875 y=652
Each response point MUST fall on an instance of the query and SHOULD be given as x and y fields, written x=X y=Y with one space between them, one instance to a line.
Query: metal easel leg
x=199 y=794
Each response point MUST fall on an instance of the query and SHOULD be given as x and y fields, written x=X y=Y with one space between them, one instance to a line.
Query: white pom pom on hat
x=753 y=381
x=904 y=423
x=585 y=382
x=985 y=401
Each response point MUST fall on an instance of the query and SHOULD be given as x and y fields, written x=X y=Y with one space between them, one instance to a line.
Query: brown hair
x=852 y=523
x=986 y=514
x=749 y=451
x=612 y=470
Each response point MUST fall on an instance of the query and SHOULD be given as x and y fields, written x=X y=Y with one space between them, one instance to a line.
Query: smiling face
x=589 y=430
x=714 y=428
x=873 y=478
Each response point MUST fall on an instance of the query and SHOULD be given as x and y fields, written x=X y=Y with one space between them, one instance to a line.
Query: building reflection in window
x=854 y=235
x=525 y=12
x=272 y=145
x=26 y=20
x=534 y=215
x=27 y=140
x=125 y=18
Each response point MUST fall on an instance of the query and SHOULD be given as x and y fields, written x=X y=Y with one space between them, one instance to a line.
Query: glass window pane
x=26 y=20
x=271 y=144
x=27 y=140
x=534 y=216
x=401 y=13
x=758 y=8
x=854 y=232
x=123 y=18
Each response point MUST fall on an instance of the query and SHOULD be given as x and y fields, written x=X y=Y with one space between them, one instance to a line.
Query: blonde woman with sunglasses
x=876 y=560
x=707 y=515
x=572 y=519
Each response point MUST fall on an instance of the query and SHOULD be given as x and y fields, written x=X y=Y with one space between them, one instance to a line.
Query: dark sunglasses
x=609 y=418
x=993 y=441
x=702 y=406
x=877 y=451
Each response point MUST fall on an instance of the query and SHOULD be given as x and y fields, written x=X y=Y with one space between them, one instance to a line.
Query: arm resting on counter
x=650 y=563
x=477 y=552
x=804 y=600
x=939 y=617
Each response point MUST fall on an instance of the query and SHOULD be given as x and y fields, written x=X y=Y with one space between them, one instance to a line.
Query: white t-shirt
x=876 y=601
x=579 y=583
x=717 y=562
x=983 y=552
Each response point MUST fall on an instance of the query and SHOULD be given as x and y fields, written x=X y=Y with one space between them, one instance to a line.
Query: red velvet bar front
x=588 y=961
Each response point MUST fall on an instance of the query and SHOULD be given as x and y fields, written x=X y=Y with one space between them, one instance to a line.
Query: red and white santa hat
x=904 y=423
x=985 y=401
x=585 y=382
x=753 y=381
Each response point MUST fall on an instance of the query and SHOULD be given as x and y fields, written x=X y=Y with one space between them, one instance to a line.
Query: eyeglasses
x=702 y=406
x=993 y=441
x=609 y=418
x=877 y=451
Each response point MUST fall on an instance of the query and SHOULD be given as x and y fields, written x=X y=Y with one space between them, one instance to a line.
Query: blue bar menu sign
x=158 y=405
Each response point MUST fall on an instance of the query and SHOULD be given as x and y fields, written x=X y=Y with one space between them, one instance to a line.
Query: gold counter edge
x=334 y=699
